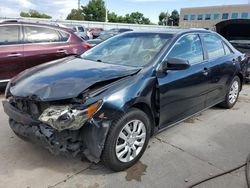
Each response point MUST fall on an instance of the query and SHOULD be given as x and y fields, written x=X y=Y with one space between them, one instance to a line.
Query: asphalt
x=212 y=142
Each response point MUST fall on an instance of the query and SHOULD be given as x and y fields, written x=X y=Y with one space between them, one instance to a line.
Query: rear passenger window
x=214 y=46
x=35 y=34
x=188 y=48
x=9 y=35
x=227 y=49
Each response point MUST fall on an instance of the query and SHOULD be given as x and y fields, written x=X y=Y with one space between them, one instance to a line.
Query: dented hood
x=64 y=79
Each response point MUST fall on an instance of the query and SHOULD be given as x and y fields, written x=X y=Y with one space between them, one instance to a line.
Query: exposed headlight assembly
x=65 y=117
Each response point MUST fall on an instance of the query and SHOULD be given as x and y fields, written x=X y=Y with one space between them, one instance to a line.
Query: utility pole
x=79 y=4
x=106 y=7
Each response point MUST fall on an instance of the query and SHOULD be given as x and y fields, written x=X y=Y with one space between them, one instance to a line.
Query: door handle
x=62 y=51
x=205 y=71
x=14 y=55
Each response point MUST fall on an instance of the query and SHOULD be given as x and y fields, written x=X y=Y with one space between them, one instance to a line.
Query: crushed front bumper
x=89 y=140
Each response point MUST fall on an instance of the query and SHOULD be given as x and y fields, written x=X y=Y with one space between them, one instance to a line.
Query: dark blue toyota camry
x=106 y=103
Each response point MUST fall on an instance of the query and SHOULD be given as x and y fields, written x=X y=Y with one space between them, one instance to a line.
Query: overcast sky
x=59 y=9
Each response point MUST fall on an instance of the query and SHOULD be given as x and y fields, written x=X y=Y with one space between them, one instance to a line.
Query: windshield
x=130 y=49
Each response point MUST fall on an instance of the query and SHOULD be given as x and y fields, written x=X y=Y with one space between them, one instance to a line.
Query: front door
x=183 y=92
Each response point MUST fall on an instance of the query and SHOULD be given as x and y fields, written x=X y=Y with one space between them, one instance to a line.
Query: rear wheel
x=232 y=94
x=127 y=140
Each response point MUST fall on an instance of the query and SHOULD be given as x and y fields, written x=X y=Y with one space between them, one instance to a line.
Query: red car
x=24 y=45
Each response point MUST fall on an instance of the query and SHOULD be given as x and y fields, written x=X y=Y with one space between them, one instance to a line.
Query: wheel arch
x=146 y=109
x=240 y=75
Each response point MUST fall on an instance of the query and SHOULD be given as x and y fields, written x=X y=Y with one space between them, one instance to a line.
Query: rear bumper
x=89 y=140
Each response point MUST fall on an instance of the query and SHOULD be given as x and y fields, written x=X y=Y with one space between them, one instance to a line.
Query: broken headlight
x=67 y=117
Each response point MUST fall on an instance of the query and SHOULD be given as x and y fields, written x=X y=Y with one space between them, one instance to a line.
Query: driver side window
x=188 y=48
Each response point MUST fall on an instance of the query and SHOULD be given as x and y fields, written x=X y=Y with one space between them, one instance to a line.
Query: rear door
x=183 y=92
x=43 y=44
x=222 y=68
x=11 y=51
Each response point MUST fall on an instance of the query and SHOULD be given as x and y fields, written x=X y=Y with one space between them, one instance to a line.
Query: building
x=207 y=17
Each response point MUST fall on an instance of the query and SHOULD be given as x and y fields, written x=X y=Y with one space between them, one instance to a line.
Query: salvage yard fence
x=92 y=24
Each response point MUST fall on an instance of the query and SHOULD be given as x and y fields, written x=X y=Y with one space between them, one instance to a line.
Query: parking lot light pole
x=106 y=7
x=79 y=4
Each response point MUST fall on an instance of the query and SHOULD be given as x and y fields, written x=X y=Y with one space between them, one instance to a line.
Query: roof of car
x=174 y=31
x=53 y=25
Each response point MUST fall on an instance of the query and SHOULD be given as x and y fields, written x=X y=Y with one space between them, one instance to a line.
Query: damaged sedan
x=108 y=102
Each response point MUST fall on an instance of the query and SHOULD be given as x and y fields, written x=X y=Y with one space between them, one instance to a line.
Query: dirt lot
x=212 y=142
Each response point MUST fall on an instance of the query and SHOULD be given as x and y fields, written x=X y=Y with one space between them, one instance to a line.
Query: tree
x=113 y=17
x=171 y=20
x=34 y=14
x=75 y=14
x=163 y=18
x=94 y=11
x=176 y=17
x=136 y=18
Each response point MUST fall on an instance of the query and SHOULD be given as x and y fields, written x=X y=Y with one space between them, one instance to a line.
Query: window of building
x=192 y=17
x=208 y=17
x=235 y=15
x=200 y=17
x=185 y=17
x=214 y=46
x=216 y=16
x=9 y=35
x=244 y=15
x=188 y=48
x=225 y=16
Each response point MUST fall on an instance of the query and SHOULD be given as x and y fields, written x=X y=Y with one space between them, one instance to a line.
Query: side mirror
x=174 y=64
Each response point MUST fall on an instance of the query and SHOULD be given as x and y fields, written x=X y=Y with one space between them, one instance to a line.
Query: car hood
x=65 y=79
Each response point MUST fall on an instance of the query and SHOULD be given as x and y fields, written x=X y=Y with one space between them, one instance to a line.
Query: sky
x=59 y=9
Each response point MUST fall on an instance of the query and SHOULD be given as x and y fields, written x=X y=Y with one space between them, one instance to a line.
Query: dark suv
x=24 y=45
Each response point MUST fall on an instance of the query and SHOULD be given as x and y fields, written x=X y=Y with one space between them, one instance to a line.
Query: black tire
x=109 y=157
x=227 y=104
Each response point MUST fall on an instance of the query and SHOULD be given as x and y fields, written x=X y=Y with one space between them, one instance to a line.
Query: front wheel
x=232 y=93
x=127 y=140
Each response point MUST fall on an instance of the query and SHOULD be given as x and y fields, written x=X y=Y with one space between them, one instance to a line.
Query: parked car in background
x=237 y=32
x=24 y=45
x=107 y=103
x=94 y=32
x=106 y=35
x=79 y=30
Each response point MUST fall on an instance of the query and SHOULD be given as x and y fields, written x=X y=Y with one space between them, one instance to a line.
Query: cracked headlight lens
x=66 y=117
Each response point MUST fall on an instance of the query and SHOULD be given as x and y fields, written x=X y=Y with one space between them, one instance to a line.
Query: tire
x=133 y=119
x=232 y=93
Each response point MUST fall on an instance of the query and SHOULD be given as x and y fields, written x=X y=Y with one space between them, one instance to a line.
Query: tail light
x=86 y=45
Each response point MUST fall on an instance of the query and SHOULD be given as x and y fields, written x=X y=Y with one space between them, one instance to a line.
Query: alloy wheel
x=234 y=91
x=130 y=141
